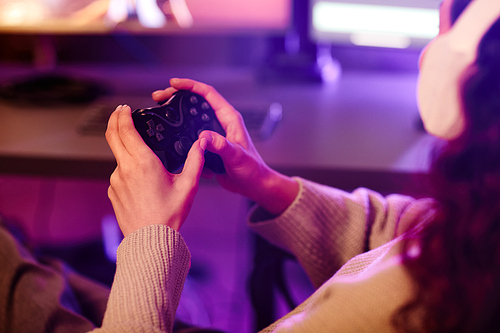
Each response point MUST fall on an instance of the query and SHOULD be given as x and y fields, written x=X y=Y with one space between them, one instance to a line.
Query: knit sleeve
x=325 y=227
x=152 y=265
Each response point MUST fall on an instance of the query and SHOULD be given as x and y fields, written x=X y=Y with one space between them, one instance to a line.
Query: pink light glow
x=240 y=13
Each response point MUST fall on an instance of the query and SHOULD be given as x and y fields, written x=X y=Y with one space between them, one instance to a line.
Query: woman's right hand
x=246 y=171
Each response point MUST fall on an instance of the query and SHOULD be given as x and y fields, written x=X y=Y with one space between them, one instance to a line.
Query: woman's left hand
x=141 y=190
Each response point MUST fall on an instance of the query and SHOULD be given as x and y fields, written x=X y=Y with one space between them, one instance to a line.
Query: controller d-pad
x=155 y=130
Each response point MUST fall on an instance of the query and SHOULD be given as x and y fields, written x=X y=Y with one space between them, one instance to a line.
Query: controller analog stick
x=182 y=146
x=172 y=115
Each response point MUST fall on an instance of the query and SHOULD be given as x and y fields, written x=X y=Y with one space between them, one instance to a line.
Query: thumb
x=195 y=160
x=218 y=144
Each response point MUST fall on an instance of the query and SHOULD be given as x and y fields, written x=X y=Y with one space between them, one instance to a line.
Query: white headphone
x=446 y=61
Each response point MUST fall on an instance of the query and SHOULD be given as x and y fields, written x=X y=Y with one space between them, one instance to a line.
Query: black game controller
x=171 y=128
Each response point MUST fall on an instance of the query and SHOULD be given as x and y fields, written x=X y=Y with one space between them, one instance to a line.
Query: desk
x=362 y=128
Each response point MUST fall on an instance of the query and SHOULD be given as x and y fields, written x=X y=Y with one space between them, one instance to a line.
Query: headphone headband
x=472 y=25
x=444 y=64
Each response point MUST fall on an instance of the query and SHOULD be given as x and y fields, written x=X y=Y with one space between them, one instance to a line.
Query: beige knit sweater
x=348 y=243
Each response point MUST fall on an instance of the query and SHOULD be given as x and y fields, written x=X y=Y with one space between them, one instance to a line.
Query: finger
x=195 y=160
x=211 y=95
x=113 y=135
x=132 y=141
x=162 y=95
x=218 y=144
x=230 y=119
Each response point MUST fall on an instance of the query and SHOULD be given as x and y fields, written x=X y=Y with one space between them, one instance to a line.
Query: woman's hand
x=142 y=191
x=246 y=172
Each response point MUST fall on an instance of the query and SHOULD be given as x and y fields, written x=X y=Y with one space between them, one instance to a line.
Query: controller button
x=160 y=128
x=205 y=106
x=204 y=128
x=159 y=137
x=151 y=123
x=183 y=145
x=150 y=132
x=193 y=99
x=193 y=112
x=205 y=117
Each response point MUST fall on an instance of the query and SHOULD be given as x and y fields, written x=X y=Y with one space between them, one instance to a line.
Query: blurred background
x=326 y=88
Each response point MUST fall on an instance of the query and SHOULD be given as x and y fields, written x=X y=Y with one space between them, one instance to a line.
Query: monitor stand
x=48 y=86
x=313 y=66
x=295 y=63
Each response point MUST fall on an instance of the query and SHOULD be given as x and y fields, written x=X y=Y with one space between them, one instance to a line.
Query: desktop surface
x=365 y=122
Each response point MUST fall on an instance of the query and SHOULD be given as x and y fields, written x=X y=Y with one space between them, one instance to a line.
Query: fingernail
x=203 y=144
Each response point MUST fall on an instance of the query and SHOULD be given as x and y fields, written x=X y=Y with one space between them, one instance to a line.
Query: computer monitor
x=398 y=24
x=130 y=18
x=143 y=16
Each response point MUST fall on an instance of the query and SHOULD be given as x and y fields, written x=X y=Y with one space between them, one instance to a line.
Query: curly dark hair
x=457 y=274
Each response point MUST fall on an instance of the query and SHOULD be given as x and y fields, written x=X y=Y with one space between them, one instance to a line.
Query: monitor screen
x=100 y=24
x=377 y=23
x=148 y=16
